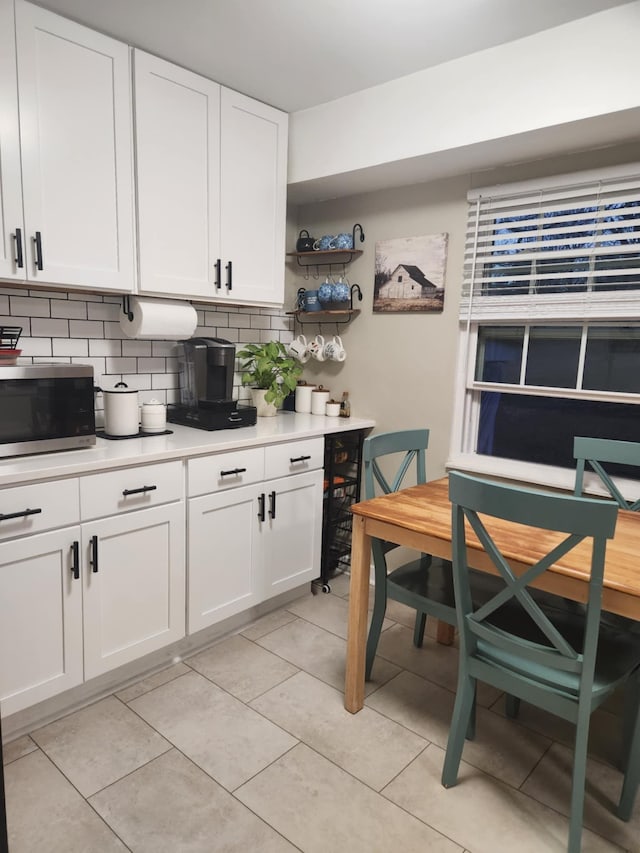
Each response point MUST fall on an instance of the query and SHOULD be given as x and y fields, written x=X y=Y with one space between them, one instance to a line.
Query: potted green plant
x=271 y=374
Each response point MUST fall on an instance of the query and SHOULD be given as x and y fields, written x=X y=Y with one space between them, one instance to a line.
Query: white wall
x=579 y=80
x=400 y=368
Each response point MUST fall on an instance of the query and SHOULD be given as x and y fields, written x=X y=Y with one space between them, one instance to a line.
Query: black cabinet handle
x=261 y=514
x=232 y=471
x=93 y=560
x=272 y=505
x=139 y=491
x=21 y=514
x=38 y=242
x=298 y=459
x=218 y=274
x=19 y=257
x=229 y=270
x=75 y=560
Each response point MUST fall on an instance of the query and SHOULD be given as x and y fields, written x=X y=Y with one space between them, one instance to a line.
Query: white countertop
x=184 y=442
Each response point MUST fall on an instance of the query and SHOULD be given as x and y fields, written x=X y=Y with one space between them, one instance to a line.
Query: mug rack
x=339 y=316
x=331 y=258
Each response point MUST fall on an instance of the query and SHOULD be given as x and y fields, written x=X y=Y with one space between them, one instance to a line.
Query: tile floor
x=246 y=746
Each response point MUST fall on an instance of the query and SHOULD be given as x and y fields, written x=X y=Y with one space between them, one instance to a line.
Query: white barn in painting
x=407 y=282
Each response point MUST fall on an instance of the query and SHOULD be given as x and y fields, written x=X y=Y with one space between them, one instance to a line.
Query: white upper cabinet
x=211 y=173
x=11 y=219
x=74 y=97
x=177 y=133
x=253 y=198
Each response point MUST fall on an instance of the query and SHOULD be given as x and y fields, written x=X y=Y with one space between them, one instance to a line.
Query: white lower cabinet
x=292 y=532
x=134 y=586
x=224 y=556
x=40 y=618
x=247 y=543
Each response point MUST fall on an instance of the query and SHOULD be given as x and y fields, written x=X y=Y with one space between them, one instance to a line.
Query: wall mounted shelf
x=322 y=317
x=325 y=258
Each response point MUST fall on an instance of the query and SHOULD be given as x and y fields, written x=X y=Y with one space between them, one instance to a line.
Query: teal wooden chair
x=598 y=452
x=424 y=583
x=564 y=662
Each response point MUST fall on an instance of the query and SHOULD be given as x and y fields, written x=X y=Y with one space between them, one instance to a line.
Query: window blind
x=567 y=247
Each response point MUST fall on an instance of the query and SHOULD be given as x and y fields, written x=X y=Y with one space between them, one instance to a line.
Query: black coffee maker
x=205 y=379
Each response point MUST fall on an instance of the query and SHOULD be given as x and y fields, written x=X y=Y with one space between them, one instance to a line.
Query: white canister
x=303 y=398
x=319 y=399
x=332 y=409
x=121 y=410
x=153 y=416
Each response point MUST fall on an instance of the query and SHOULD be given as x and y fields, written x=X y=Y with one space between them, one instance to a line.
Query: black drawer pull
x=218 y=274
x=75 y=560
x=229 y=269
x=38 y=243
x=139 y=491
x=19 y=258
x=261 y=514
x=25 y=512
x=93 y=560
x=272 y=505
x=232 y=471
x=299 y=459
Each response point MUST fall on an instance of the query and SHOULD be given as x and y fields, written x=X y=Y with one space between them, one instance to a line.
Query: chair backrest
x=412 y=443
x=574 y=519
x=596 y=451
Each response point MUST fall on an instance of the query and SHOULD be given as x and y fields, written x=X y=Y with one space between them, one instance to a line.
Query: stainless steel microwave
x=46 y=407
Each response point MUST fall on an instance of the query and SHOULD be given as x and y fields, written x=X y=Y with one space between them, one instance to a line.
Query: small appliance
x=45 y=407
x=205 y=378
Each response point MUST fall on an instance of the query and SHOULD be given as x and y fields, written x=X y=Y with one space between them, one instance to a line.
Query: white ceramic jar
x=303 y=398
x=154 y=416
x=319 y=399
x=121 y=410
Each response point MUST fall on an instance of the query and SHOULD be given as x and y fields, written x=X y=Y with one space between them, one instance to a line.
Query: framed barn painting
x=409 y=274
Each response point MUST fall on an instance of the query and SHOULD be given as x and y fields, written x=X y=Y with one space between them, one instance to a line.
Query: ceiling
x=295 y=55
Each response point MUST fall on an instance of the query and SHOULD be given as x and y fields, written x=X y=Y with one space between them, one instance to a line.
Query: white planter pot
x=265 y=410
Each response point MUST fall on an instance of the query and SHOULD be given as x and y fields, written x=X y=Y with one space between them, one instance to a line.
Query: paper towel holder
x=126 y=308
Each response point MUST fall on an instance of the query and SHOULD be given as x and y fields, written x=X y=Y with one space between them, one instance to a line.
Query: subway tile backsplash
x=84 y=328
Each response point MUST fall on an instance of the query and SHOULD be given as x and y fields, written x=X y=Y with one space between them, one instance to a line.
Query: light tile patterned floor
x=247 y=746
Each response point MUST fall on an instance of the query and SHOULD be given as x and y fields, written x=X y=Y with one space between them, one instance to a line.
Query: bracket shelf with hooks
x=325 y=258
x=339 y=316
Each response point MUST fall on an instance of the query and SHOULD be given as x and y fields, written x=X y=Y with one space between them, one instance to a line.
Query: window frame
x=580 y=308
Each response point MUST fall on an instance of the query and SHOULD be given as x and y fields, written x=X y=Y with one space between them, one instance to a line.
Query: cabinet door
x=134 y=603
x=11 y=221
x=225 y=555
x=75 y=126
x=178 y=174
x=292 y=538
x=40 y=619
x=253 y=198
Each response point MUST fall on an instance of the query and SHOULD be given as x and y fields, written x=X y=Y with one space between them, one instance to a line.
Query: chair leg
x=470 y=734
x=632 y=775
x=377 y=618
x=418 y=631
x=512 y=706
x=578 y=780
x=630 y=714
x=462 y=712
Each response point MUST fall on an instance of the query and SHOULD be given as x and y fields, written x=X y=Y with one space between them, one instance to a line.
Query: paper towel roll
x=159 y=319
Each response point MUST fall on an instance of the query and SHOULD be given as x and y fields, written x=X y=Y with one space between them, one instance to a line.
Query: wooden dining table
x=420 y=518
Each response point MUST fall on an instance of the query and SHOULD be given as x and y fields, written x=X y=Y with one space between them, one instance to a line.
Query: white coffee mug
x=316 y=347
x=299 y=349
x=334 y=349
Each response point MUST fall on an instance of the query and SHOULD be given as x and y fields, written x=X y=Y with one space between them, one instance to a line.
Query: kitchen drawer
x=138 y=487
x=225 y=470
x=57 y=503
x=294 y=457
